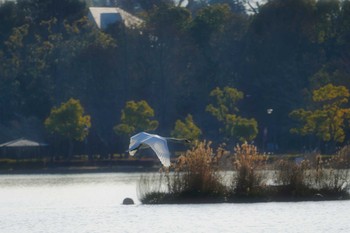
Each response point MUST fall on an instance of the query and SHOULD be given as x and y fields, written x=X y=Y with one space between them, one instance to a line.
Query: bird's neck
x=176 y=139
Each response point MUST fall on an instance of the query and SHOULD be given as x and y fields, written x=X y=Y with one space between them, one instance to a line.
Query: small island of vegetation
x=202 y=176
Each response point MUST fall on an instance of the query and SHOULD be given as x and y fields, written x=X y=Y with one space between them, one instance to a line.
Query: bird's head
x=132 y=152
x=188 y=141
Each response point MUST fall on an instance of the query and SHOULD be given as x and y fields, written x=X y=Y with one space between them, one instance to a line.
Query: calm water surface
x=91 y=203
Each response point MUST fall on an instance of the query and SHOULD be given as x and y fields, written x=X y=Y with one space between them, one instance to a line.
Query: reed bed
x=198 y=177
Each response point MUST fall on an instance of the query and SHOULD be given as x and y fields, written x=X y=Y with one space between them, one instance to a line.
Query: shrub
x=152 y=189
x=294 y=177
x=315 y=175
x=332 y=174
x=344 y=154
x=249 y=166
x=194 y=177
x=197 y=172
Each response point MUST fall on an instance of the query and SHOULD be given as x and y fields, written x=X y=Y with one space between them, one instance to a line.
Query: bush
x=332 y=174
x=249 y=166
x=294 y=178
x=195 y=178
x=152 y=189
x=197 y=172
x=315 y=175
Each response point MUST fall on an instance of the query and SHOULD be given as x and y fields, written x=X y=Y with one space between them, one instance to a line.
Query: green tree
x=39 y=10
x=69 y=121
x=146 y=5
x=136 y=116
x=281 y=54
x=241 y=128
x=42 y=62
x=186 y=129
x=327 y=117
x=225 y=111
x=236 y=6
x=169 y=20
x=209 y=21
x=226 y=102
x=10 y=17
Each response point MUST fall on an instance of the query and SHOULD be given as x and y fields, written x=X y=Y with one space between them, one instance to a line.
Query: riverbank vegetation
x=203 y=176
x=241 y=74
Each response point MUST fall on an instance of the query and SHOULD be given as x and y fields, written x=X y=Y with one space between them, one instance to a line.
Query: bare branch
x=252 y=8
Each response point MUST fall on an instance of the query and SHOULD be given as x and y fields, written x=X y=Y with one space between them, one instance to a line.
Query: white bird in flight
x=157 y=143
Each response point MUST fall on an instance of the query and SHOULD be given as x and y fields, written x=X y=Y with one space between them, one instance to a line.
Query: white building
x=3 y=1
x=104 y=16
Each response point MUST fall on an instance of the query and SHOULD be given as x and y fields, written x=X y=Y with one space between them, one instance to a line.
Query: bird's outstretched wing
x=160 y=147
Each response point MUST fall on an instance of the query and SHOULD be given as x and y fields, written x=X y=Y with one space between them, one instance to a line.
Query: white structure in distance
x=104 y=16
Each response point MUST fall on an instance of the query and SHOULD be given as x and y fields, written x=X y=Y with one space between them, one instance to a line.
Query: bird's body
x=157 y=143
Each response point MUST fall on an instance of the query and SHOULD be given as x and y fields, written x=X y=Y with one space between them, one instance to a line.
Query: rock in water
x=128 y=201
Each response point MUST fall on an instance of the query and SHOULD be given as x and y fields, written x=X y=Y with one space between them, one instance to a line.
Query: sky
x=252 y=2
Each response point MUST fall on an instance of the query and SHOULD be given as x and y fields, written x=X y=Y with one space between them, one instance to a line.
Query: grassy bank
x=198 y=176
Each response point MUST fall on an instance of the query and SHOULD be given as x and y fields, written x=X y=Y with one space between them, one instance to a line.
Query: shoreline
x=78 y=167
x=79 y=170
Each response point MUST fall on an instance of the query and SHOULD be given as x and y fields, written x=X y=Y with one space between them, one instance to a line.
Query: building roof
x=103 y=16
x=22 y=142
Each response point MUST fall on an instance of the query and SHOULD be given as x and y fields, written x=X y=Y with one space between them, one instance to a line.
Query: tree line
x=234 y=75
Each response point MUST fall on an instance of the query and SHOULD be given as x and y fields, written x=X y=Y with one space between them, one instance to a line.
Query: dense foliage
x=275 y=57
x=69 y=122
x=186 y=129
x=328 y=120
x=225 y=111
x=136 y=117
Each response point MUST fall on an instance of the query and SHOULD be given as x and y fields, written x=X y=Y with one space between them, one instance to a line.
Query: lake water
x=89 y=203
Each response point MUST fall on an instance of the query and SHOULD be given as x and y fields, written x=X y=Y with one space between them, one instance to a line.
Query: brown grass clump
x=197 y=177
x=317 y=175
x=249 y=166
x=152 y=188
x=196 y=172
x=194 y=178
x=293 y=177
x=344 y=157
x=332 y=173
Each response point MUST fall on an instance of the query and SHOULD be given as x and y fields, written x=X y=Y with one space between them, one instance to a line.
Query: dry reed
x=196 y=177
x=196 y=172
x=249 y=168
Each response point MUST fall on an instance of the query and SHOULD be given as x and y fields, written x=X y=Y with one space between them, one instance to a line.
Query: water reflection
x=68 y=179
x=92 y=203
